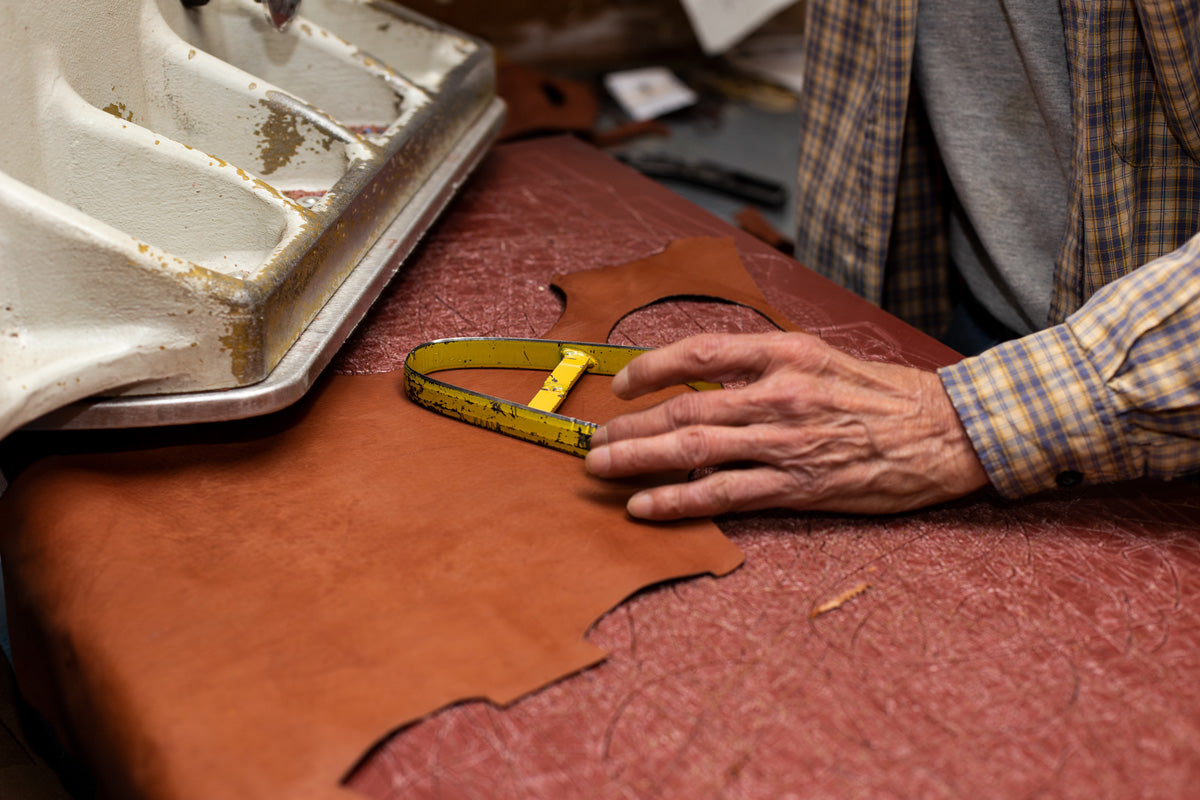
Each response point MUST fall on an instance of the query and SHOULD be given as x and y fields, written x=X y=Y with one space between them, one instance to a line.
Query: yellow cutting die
x=535 y=422
x=574 y=363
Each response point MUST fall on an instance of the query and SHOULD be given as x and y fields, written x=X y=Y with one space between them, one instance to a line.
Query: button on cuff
x=1068 y=478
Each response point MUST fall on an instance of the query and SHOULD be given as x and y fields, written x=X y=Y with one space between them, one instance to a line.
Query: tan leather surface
x=244 y=617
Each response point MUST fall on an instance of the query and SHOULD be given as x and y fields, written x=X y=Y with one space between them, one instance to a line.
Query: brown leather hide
x=242 y=610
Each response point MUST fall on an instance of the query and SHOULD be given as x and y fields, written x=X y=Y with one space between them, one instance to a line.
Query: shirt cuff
x=1039 y=415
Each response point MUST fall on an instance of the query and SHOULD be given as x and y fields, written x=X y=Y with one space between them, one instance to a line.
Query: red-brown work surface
x=1047 y=647
x=988 y=648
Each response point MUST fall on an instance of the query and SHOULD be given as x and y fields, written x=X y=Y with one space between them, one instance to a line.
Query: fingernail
x=620 y=383
x=599 y=437
x=639 y=505
x=597 y=461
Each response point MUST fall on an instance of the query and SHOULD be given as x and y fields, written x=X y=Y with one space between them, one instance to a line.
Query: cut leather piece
x=242 y=610
x=701 y=266
x=539 y=102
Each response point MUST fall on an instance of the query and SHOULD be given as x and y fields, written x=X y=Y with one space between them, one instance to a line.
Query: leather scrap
x=540 y=102
x=697 y=267
x=752 y=221
x=242 y=610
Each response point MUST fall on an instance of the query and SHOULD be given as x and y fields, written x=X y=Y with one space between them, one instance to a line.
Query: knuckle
x=683 y=410
x=618 y=429
x=706 y=349
x=721 y=496
x=661 y=503
x=669 y=503
x=733 y=490
x=803 y=349
x=696 y=446
x=773 y=401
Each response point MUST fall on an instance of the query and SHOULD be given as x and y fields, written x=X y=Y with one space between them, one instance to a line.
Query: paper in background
x=720 y=24
x=775 y=57
x=649 y=92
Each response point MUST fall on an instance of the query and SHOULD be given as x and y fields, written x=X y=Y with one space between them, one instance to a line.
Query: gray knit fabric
x=993 y=75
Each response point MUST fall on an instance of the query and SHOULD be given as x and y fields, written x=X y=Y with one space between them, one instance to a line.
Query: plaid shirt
x=1113 y=390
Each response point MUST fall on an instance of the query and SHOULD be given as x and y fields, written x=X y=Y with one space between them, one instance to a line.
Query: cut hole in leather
x=663 y=322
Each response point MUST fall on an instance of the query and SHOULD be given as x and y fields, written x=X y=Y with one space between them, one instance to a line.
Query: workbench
x=986 y=647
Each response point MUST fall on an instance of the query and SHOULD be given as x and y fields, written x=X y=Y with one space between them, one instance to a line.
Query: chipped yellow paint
x=268 y=188
x=279 y=138
x=370 y=62
x=558 y=384
x=119 y=111
x=240 y=344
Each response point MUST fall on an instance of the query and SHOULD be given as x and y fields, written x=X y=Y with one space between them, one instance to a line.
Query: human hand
x=812 y=428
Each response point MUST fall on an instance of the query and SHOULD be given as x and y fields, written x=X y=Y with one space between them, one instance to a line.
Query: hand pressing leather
x=811 y=428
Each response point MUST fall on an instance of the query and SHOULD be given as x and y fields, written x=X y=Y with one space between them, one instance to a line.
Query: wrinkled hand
x=812 y=428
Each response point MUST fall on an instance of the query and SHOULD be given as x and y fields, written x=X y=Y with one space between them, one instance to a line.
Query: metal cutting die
x=196 y=208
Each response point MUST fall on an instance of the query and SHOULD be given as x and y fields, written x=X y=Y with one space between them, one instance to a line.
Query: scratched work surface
x=1049 y=647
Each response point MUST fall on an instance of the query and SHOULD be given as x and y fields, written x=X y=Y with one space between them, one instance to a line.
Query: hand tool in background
x=763 y=191
x=279 y=12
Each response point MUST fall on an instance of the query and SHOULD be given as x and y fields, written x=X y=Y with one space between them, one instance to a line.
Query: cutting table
x=988 y=648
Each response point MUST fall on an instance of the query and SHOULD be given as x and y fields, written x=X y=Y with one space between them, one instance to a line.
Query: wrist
x=959 y=467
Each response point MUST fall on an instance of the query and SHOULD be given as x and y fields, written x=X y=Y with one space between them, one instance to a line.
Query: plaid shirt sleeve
x=1110 y=394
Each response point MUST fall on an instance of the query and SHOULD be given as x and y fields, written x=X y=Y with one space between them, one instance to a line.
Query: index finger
x=714 y=357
